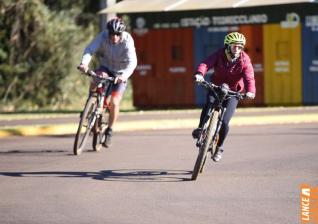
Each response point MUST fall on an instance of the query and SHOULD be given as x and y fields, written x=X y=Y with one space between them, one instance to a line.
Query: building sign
x=314 y=66
x=223 y=20
x=203 y=22
x=179 y=69
x=140 y=25
x=239 y=19
x=289 y=16
x=215 y=29
x=258 y=67
x=312 y=22
x=282 y=66
x=292 y=20
x=144 y=69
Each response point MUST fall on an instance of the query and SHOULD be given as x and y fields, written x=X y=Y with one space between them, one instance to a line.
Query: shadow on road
x=31 y=151
x=125 y=175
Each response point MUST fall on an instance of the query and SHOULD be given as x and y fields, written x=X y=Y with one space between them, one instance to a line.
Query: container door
x=176 y=78
x=254 y=48
x=145 y=70
x=163 y=77
x=282 y=64
x=310 y=61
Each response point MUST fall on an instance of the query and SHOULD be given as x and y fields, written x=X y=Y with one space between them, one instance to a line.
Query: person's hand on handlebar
x=198 y=77
x=250 y=95
x=119 y=79
x=83 y=68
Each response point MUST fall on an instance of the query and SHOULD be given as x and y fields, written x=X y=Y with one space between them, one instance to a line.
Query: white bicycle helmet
x=116 y=26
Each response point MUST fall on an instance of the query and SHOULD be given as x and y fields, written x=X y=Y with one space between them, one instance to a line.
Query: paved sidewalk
x=64 y=124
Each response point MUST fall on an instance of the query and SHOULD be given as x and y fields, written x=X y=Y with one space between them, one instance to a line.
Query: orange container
x=254 y=48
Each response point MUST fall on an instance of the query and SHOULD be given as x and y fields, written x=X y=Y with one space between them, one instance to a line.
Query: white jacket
x=118 y=58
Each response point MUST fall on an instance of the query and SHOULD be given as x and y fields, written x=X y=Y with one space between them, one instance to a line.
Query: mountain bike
x=94 y=118
x=209 y=136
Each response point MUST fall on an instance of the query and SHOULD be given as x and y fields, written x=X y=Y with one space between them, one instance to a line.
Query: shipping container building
x=282 y=42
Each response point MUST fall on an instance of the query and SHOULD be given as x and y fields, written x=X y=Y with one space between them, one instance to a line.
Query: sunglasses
x=115 y=34
x=240 y=47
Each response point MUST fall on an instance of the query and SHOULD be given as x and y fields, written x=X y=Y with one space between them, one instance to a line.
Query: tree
x=38 y=47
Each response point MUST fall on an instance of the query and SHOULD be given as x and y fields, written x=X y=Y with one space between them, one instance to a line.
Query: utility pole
x=104 y=17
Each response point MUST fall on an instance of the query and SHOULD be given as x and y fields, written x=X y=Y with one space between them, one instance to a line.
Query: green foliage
x=39 y=48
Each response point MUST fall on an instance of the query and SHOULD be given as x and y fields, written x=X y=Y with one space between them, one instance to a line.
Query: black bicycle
x=209 y=136
x=94 y=118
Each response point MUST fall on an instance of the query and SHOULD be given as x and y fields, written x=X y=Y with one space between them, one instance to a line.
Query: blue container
x=206 y=42
x=310 y=63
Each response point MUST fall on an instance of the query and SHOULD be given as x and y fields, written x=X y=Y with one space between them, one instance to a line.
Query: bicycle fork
x=92 y=122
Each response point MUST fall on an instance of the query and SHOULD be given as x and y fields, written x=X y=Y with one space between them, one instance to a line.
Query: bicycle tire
x=214 y=138
x=99 y=133
x=85 y=123
x=203 y=150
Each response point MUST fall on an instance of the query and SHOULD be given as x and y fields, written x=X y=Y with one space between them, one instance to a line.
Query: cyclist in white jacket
x=117 y=55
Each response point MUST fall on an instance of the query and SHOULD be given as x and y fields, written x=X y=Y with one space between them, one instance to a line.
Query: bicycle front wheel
x=206 y=144
x=88 y=117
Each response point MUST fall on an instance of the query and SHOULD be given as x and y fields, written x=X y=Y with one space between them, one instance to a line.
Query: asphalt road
x=144 y=178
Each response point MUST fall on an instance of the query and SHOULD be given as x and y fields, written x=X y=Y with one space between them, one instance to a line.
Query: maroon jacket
x=237 y=75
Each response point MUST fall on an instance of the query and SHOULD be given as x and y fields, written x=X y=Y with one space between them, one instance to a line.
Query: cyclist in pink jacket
x=231 y=66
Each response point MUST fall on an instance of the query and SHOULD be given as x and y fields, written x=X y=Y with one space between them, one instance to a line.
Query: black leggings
x=230 y=106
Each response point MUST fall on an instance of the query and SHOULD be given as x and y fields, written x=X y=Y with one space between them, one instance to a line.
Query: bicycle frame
x=221 y=93
x=101 y=93
x=92 y=115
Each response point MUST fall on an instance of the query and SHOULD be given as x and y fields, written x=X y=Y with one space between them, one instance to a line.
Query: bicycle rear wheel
x=206 y=144
x=85 y=125
x=99 y=133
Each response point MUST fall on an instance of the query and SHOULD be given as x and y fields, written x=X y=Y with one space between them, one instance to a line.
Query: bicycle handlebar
x=91 y=73
x=229 y=92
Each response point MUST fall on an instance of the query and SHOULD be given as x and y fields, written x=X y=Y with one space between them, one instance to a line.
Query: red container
x=163 y=77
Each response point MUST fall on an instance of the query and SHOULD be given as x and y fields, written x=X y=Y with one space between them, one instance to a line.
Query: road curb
x=69 y=129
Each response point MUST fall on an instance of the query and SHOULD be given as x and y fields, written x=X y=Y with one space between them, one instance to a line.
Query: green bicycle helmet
x=234 y=38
